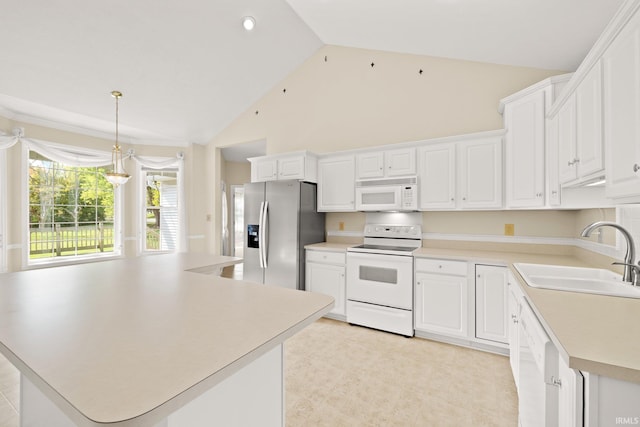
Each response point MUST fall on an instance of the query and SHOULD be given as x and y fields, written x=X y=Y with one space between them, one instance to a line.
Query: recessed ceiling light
x=248 y=23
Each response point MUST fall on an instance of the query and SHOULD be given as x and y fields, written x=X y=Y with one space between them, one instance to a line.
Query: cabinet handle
x=464 y=198
x=556 y=381
x=636 y=168
x=554 y=192
x=452 y=199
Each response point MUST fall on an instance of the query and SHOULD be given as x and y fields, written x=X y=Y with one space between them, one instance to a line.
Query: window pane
x=70 y=210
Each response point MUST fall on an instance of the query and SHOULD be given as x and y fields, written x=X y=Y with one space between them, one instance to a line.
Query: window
x=161 y=215
x=71 y=211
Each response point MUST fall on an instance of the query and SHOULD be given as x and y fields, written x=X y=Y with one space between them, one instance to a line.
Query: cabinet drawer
x=327 y=257
x=440 y=266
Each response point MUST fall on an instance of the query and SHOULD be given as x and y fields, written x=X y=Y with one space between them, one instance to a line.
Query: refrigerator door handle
x=260 y=240
x=265 y=234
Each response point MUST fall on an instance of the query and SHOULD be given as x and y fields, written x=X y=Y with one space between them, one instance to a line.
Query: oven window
x=378 y=274
x=379 y=198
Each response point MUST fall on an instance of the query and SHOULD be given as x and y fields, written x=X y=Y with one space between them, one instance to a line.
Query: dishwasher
x=538 y=391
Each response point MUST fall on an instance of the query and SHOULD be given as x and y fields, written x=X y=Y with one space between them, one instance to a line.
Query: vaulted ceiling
x=188 y=68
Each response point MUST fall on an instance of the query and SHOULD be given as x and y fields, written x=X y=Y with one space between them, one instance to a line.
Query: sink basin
x=576 y=279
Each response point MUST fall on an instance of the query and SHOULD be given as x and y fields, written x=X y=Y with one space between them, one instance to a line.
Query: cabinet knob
x=464 y=198
x=452 y=199
x=636 y=168
x=556 y=381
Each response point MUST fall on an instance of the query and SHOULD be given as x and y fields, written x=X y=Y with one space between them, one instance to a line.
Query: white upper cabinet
x=589 y=148
x=370 y=165
x=524 y=148
x=389 y=163
x=530 y=160
x=336 y=183
x=300 y=166
x=264 y=169
x=437 y=173
x=465 y=174
x=581 y=152
x=480 y=173
x=567 y=154
x=621 y=63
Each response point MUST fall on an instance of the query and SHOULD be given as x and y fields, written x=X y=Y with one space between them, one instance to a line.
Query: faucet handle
x=635 y=280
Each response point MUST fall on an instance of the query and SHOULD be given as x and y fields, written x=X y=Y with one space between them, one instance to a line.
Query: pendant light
x=118 y=174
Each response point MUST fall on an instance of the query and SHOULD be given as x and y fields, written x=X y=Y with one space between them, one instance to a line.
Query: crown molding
x=617 y=24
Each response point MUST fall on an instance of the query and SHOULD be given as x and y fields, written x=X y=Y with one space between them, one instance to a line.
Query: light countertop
x=135 y=339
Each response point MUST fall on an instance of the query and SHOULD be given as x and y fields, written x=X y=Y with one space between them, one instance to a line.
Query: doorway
x=237 y=215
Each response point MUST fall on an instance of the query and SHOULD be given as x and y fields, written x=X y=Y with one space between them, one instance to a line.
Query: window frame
x=27 y=263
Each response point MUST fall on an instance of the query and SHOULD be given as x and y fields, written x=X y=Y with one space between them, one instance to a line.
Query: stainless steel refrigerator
x=280 y=219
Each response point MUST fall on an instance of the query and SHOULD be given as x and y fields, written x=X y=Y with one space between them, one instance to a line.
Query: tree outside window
x=71 y=210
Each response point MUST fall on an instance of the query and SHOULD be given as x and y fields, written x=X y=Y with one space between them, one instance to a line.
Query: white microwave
x=392 y=194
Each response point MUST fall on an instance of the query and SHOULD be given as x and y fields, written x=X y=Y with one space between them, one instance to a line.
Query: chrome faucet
x=631 y=270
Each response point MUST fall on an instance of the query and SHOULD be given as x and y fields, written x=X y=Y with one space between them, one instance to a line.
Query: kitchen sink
x=576 y=279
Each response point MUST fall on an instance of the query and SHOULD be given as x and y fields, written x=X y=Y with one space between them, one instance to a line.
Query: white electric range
x=380 y=278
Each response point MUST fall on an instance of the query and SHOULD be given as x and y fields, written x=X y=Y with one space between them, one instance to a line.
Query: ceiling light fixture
x=248 y=22
x=118 y=174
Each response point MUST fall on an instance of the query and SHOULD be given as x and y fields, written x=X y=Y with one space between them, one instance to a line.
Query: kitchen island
x=146 y=342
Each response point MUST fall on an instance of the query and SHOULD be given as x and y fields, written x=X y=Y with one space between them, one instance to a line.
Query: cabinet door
x=524 y=147
x=491 y=303
x=336 y=184
x=567 y=141
x=570 y=401
x=328 y=279
x=621 y=91
x=513 y=319
x=589 y=123
x=480 y=173
x=441 y=304
x=400 y=162
x=291 y=168
x=264 y=170
x=552 y=162
x=437 y=175
x=370 y=165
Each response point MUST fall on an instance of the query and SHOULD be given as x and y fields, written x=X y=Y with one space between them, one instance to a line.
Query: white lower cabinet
x=570 y=400
x=441 y=302
x=491 y=303
x=514 y=304
x=325 y=274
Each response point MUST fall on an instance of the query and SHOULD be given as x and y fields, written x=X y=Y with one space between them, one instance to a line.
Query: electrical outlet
x=341 y=226
x=509 y=229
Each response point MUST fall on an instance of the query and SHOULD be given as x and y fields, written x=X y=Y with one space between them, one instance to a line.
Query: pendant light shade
x=118 y=174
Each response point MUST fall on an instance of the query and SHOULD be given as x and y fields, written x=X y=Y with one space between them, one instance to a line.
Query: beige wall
x=534 y=223
x=195 y=186
x=344 y=103
x=336 y=101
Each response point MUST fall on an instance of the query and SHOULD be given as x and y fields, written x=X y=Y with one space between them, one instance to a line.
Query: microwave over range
x=389 y=194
